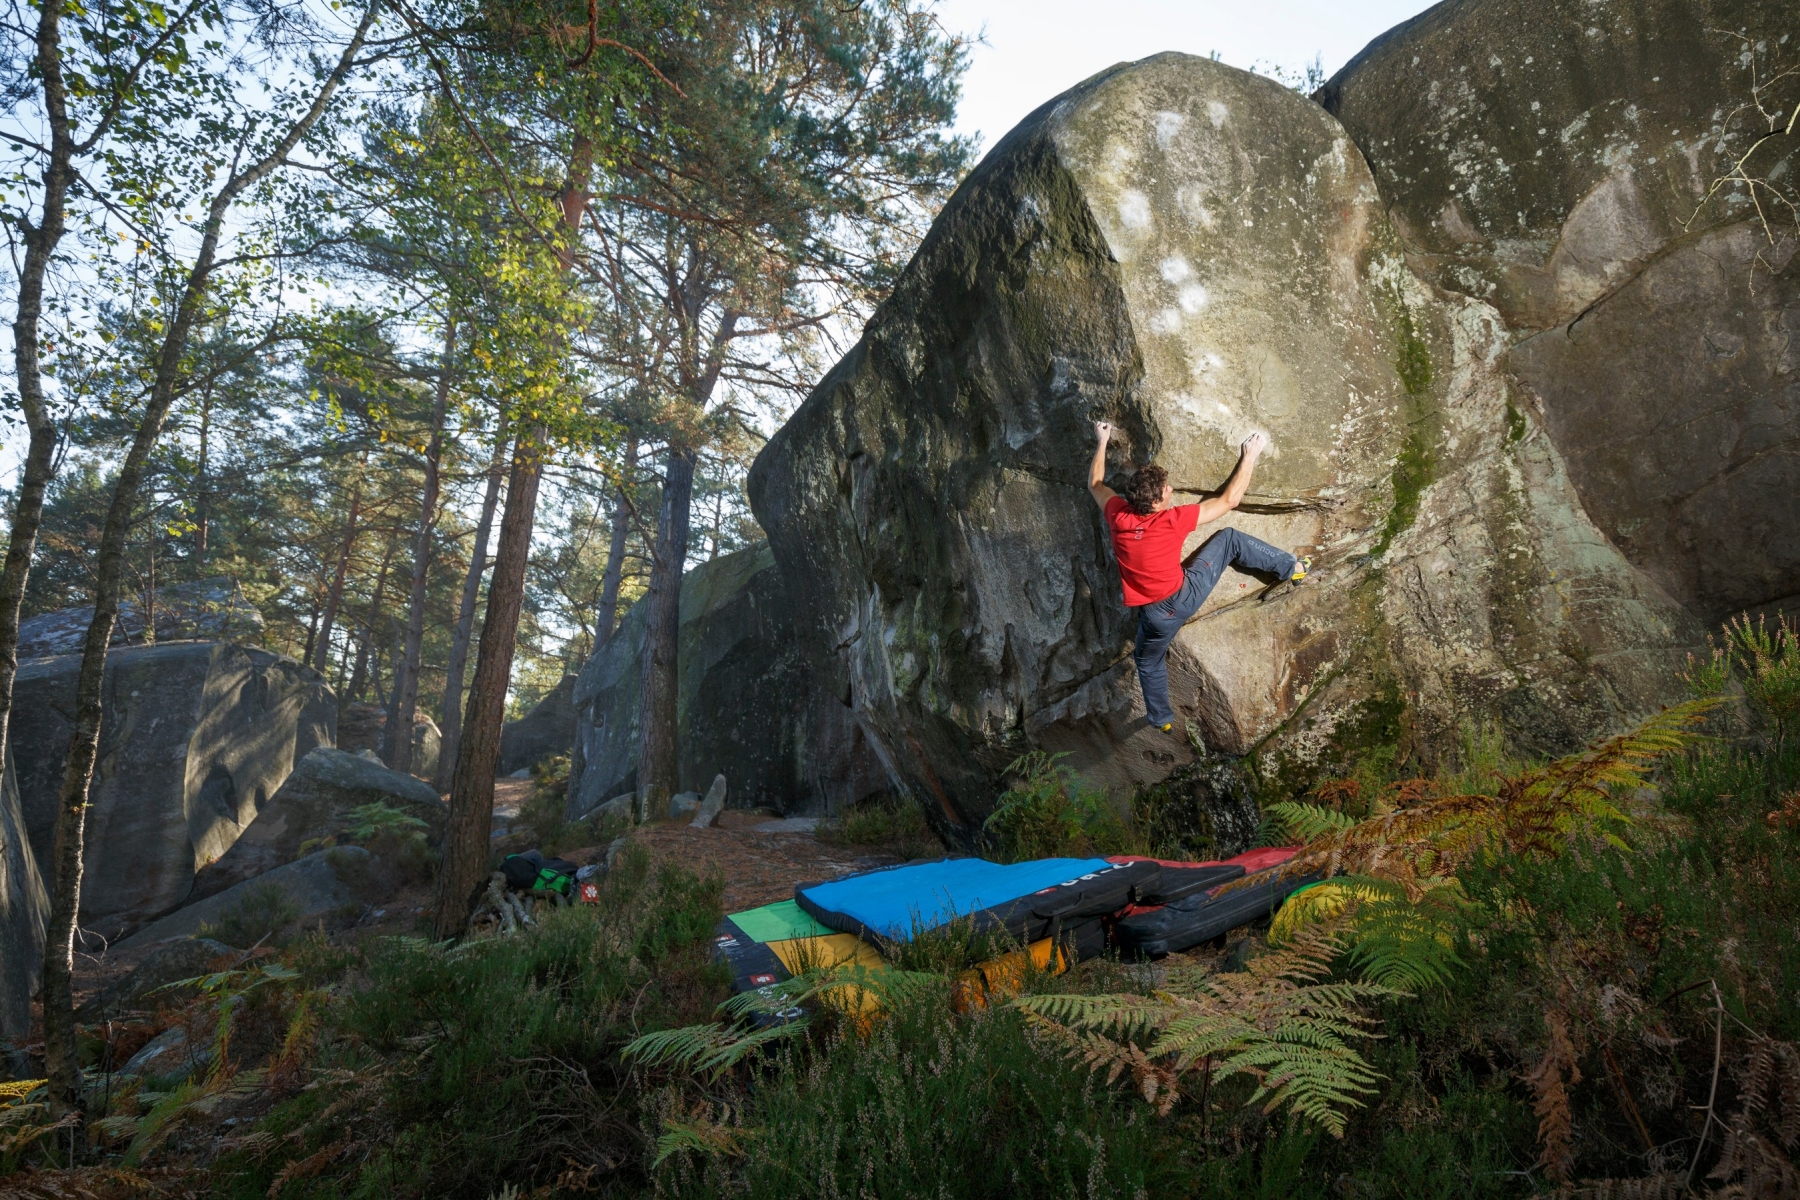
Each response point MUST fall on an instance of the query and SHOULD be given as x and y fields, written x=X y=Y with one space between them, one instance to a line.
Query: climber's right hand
x=1103 y=429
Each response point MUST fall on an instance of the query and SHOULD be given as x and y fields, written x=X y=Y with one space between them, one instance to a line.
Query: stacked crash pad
x=1205 y=900
x=1059 y=910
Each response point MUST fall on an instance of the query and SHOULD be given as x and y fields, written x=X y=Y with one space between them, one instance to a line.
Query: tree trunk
x=40 y=454
x=359 y=678
x=464 y=869
x=451 y=740
x=608 y=617
x=202 y=511
x=659 y=751
x=406 y=681
x=61 y=1054
x=335 y=597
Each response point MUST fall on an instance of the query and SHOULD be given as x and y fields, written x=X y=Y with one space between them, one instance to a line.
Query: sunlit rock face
x=1193 y=253
x=1555 y=161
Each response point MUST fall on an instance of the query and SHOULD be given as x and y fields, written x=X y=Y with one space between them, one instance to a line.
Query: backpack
x=531 y=871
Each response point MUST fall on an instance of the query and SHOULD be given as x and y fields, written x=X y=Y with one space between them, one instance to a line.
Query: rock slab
x=313 y=804
x=547 y=730
x=747 y=704
x=314 y=886
x=196 y=737
x=212 y=609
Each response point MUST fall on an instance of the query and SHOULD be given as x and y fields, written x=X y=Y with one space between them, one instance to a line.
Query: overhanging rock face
x=1193 y=253
x=196 y=737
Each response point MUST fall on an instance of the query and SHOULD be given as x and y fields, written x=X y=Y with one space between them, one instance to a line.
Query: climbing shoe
x=1166 y=726
x=1301 y=567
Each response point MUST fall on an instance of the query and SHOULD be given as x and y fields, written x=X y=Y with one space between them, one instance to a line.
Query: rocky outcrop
x=24 y=912
x=548 y=729
x=196 y=737
x=363 y=726
x=1554 y=163
x=747 y=705
x=296 y=894
x=208 y=608
x=1193 y=253
x=313 y=805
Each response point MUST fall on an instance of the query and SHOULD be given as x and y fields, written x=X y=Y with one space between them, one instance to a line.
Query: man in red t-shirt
x=1148 y=529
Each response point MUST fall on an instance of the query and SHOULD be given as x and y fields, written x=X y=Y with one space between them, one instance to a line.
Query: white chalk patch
x=1168 y=124
x=1166 y=321
x=1216 y=113
x=1192 y=299
x=1175 y=268
x=1134 y=209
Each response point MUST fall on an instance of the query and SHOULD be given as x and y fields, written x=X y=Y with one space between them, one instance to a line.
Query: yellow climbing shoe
x=1301 y=567
x=1166 y=726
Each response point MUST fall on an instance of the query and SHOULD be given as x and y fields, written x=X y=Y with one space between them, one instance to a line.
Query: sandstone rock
x=196 y=737
x=213 y=609
x=24 y=911
x=312 y=887
x=1193 y=253
x=683 y=804
x=1552 y=161
x=548 y=729
x=361 y=727
x=747 y=705
x=147 y=984
x=314 y=804
x=168 y=1055
x=712 y=806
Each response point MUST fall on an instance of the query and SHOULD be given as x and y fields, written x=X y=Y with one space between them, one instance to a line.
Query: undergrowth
x=1571 y=978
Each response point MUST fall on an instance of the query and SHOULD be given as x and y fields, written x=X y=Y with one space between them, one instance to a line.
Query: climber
x=1148 y=529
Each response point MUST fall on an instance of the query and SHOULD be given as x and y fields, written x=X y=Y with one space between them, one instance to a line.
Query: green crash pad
x=778 y=923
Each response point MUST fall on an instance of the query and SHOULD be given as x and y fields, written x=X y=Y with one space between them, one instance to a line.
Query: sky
x=1034 y=49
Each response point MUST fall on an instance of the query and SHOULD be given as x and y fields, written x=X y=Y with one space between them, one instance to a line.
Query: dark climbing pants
x=1159 y=623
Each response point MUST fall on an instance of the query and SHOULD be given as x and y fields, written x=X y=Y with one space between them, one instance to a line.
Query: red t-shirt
x=1149 y=549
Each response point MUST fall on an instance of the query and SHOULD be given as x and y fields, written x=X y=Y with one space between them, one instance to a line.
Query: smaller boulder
x=174 y=960
x=712 y=806
x=683 y=804
x=362 y=728
x=316 y=803
x=301 y=891
x=169 y=1056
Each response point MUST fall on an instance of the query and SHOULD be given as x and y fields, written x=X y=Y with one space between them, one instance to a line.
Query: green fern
x=1280 y=1021
x=1395 y=938
x=710 y=1049
x=1309 y=822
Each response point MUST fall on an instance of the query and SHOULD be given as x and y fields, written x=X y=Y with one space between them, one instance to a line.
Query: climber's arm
x=1214 y=507
x=1097 y=470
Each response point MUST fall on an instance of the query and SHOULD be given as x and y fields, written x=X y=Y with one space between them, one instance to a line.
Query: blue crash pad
x=893 y=902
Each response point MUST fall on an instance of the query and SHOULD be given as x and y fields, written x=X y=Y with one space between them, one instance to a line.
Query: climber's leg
x=1234 y=548
x=1157 y=626
x=1159 y=623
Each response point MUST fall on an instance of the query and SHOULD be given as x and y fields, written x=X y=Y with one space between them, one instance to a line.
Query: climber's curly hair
x=1144 y=490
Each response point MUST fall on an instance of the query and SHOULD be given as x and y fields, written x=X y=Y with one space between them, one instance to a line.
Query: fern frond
x=700 y=1137
x=706 y=1048
x=1308 y=822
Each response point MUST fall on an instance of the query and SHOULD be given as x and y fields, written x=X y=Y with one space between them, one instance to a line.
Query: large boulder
x=746 y=705
x=548 y=729
x=1554 y=162
x=314 y=804
x=24 y=912
x=213 y=609
x=363 y=726
x=195 y=738
x=1192 y=252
